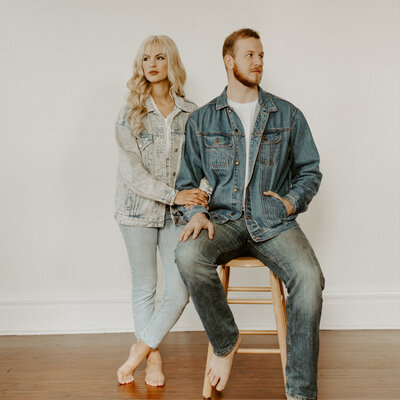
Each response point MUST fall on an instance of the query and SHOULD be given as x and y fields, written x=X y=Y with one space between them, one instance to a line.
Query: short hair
x=230 y=41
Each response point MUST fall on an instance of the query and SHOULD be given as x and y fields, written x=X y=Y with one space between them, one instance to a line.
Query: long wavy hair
x=140 y=88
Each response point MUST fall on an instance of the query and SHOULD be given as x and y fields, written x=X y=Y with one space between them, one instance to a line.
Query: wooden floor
x=353 y=365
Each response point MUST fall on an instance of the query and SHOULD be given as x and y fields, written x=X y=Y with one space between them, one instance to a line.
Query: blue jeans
x=290 y=256
x=152 y=324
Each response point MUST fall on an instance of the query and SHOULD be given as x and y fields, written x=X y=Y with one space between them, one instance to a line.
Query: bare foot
x=154 y=372
x=220 y=367
x=138 y=353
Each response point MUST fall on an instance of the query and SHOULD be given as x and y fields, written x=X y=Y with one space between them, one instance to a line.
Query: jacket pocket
x=274 y=211
x=270 y=149
x=144 y=142
x=219 y=150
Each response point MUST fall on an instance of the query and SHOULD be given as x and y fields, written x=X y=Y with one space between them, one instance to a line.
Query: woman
x=150 y=134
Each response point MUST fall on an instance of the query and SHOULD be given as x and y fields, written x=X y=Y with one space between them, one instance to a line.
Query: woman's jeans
x=290 y=256
x=152 y=324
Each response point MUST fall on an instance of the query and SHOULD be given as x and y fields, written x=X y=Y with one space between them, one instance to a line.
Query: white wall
x=63 y=266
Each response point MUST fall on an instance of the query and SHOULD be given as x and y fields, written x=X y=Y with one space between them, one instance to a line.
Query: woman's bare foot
x=154 y=372
x=220 y=367
x=138 y=353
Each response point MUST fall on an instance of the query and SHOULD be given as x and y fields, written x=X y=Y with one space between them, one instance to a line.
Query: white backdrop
x=63 y=265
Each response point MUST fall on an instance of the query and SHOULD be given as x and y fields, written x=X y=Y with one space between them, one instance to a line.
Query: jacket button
x=237 y=162
x=229 y=110
x=176 y=150
x=235 y=189
x=236 y=131
x=233 y=213
x=174 y=173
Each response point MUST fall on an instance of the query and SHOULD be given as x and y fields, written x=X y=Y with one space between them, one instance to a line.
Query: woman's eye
x=160 y=58
x=145 y=59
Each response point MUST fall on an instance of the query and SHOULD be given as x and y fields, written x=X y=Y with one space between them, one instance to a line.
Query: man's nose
x=258 y=61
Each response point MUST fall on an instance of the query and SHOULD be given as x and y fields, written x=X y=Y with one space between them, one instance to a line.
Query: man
x=257 y=152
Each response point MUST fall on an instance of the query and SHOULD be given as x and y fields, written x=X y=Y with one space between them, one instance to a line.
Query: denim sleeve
x=133 y=173
x=306 y=176
x=191 y=172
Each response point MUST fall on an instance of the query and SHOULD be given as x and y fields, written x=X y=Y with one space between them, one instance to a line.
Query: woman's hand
x=191 y=197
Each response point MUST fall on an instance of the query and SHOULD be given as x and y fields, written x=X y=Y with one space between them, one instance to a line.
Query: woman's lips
x=153 y=72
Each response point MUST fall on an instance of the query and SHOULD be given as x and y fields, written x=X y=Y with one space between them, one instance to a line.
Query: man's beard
x=244 y=79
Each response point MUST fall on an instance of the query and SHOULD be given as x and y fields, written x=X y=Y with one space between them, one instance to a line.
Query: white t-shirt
x=245 y=111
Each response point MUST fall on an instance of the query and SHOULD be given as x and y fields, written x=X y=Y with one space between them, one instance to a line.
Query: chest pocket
x=219 y=150
x=144 y=141
x=270 y=149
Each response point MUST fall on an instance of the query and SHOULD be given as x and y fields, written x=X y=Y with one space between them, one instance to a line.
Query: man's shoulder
x=280 y=103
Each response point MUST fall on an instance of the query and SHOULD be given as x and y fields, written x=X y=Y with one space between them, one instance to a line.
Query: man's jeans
x=290 y=256
x=152 y=324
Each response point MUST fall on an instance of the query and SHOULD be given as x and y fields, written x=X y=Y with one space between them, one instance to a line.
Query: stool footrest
x=258 y=351
x=259 y=332
x=250 y=301
x=249 y=288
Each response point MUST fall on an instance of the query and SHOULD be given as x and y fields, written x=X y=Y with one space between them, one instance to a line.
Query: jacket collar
x=180 y=102
x=264 y=100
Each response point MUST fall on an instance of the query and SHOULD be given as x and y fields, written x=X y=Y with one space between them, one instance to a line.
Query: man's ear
x=229 y=61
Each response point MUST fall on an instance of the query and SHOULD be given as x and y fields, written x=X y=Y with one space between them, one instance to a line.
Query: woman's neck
x=160 y=92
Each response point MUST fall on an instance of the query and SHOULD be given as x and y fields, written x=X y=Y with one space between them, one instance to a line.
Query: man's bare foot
x=220 y=367
x=154 y=372
x=138 y=353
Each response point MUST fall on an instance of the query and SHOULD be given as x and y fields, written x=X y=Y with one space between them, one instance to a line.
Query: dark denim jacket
x=283 y=159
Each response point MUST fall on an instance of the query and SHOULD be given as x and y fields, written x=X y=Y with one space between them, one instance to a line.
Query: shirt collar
x=180 y=103
x=264 y=99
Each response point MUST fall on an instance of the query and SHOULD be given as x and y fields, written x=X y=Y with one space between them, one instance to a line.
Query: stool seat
x=277 y=300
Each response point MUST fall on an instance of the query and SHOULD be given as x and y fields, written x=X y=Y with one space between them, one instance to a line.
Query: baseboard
x=111 y=312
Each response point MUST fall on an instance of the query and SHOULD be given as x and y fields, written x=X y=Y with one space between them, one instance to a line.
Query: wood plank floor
x=354 y=365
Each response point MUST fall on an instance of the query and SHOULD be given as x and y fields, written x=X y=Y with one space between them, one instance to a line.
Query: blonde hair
x=140 y=88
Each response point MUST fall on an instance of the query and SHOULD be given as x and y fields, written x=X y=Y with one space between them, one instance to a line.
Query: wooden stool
x=277 y=300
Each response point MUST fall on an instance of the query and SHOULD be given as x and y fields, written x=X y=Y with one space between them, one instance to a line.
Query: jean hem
x=298 y=397
x=149 y=344
x=225 y=352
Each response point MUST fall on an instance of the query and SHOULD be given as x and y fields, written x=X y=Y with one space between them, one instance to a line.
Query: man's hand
x=286 y=202
x=196 y=224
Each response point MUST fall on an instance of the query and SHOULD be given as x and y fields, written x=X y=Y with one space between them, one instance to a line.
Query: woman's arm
x=133 y=173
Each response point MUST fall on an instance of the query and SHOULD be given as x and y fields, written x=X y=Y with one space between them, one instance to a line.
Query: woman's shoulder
x=185 y=104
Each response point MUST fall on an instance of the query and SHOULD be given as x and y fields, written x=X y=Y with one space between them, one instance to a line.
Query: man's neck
x=240 y=93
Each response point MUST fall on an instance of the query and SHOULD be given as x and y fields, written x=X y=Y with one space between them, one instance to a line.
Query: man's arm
x=191 y=171
x=306 y=176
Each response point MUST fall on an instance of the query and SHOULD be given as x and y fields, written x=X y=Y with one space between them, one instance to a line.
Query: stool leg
x=279 y=318
x=224 y=273
x=207 y=388
x=283 y=299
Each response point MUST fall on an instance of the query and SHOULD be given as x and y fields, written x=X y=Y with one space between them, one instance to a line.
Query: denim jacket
x=283 y=158
x=146 y=174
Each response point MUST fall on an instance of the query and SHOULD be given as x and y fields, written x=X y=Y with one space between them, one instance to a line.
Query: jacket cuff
x=193 y=210
x=169 y=196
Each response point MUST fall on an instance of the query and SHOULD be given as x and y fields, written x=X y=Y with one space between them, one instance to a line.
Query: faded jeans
x=290 y=256
x=152 y=324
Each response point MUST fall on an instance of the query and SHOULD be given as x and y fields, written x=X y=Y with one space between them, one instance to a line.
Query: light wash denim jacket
x=283 y=158
x=146 y=174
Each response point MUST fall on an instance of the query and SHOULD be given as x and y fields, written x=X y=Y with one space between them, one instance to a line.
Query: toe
x=221 y=385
